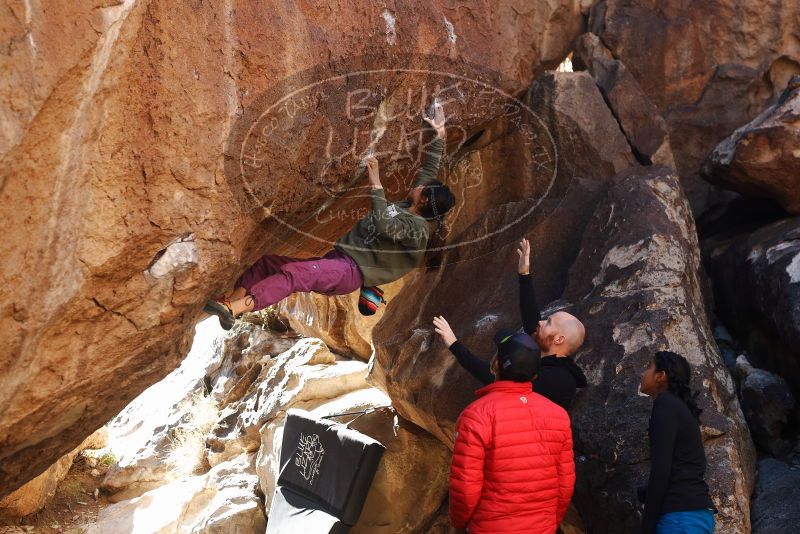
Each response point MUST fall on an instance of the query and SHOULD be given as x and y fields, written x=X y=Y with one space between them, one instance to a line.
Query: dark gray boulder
x=775 y=509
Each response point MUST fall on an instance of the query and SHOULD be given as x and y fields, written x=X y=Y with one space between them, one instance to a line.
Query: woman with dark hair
x=380 y=248
x=677 y=500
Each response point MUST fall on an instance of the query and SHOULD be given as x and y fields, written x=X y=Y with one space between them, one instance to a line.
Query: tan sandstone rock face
x=336 y=320
x=222 y=501
x=710 y=67
x=762 y=158
x=121 y=218
x=154 y=490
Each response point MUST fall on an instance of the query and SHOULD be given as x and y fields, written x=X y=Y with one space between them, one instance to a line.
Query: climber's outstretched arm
x=433 y=152
x=372 y=172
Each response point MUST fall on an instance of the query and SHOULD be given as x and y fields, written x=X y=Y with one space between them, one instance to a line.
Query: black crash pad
x=291 y=513
x=329 y=463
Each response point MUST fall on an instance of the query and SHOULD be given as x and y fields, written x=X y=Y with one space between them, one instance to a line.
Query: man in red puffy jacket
x=513 y=469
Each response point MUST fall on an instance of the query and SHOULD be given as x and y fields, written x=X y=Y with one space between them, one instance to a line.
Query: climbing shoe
x=370 y=299
x=226 y=318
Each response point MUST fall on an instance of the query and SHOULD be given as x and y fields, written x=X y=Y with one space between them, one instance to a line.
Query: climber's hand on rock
x=524 y=253
x=442 y=327
x=371 y=163
x=437 y=121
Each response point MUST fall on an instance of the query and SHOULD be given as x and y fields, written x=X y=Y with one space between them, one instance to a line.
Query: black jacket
x=677 y=462
x=558 y=379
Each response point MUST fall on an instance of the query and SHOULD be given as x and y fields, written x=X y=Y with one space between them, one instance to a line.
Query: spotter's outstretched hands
x=442 y=327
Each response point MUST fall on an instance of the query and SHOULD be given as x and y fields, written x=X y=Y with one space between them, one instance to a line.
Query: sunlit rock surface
x=221 y=415
x=142 y=435
x=222 y=501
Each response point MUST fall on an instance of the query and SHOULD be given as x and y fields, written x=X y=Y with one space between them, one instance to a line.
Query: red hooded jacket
x=513 y=468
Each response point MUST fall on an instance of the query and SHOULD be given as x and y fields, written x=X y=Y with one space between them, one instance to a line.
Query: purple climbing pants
x=273 y=278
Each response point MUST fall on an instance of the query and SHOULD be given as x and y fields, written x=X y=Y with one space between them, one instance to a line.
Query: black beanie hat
x=517 y=355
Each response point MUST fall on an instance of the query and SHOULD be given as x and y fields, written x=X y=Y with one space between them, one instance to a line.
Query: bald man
x=558 y=336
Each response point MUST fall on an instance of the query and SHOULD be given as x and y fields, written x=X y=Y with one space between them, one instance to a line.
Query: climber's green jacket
x=391 y=241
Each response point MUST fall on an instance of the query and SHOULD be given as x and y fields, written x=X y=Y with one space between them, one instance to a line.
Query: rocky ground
x=75 y=505
x=200 y=449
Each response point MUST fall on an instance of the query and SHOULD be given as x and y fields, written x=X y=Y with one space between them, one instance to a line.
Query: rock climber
x=380 y=248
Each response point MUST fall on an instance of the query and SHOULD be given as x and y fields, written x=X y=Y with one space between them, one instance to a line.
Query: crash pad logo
x=294 y=159
x=309 y=456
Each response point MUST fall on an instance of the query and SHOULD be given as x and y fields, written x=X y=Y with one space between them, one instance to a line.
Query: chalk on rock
x=178 y=255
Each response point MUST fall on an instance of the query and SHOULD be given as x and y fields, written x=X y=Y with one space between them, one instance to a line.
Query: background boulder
x=709 y=67
x=761 y=158
x=775 y=499
x=755 y=277
x=637 y=287
x=769 y=407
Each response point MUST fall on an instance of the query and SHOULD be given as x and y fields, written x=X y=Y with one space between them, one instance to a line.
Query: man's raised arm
x=528 y=306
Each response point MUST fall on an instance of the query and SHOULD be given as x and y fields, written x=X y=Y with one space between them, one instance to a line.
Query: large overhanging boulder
x=121 y=215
